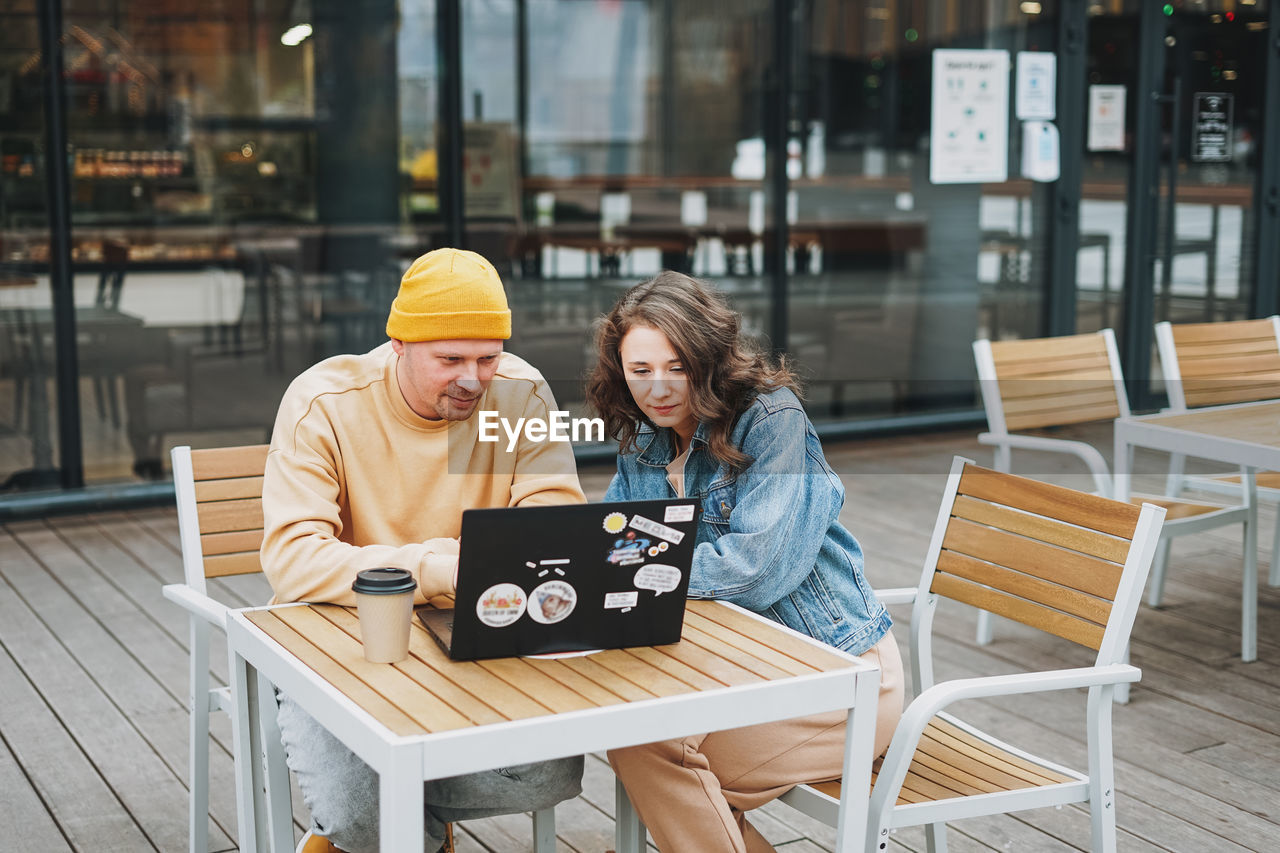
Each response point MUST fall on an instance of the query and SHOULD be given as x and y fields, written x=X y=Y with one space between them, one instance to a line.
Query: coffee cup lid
x=387 y=581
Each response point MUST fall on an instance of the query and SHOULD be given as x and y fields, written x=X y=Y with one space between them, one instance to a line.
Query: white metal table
x=1244 y=434
x=429 y=717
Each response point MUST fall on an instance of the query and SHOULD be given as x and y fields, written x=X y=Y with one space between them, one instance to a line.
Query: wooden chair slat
x=221 y=463
x=228 y=565
x=1207 y=332
x=1243 y=345
x=1026 y=587
x=212 y=544
x=1259 y=367
x=1069 y=505
x=1046 y=530
x=225 y=490
x=1200 y=393
x=1092 y=382
x=1264 y=479
x=432 y=715
x=1050 y=368
x=1066 y=570
x=226 y=516
x=1050 y=404
x=946 y=728
x=1047 y=348
x=1175 y=508
x=951 y=772
x=1028 y=613
x=359 y=692
x=1062 y=417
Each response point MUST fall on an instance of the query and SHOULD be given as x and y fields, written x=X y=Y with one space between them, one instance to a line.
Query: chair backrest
x=1041 y=382
x=219 y=492
x=1066 y=562
x=1208 y=364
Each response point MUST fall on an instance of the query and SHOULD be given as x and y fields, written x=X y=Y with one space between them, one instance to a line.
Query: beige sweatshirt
x=356 y=479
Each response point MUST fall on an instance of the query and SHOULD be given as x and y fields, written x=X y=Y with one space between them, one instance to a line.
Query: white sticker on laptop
x=501 y=604
x=677 y=514
x=648 y=525
x=658 y=577
x=615 y=600
x=552 y=602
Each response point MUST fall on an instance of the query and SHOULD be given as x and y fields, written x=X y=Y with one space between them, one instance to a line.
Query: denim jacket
x=769 y=538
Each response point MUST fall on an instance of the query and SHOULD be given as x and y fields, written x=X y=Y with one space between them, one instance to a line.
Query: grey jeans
x=342 y=791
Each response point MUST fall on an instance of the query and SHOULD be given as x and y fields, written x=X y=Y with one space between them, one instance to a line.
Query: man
x=373 y=459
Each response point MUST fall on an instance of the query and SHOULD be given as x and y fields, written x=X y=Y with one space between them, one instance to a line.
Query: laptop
x=539 y=580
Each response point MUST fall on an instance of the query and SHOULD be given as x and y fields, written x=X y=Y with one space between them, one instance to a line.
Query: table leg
x=400 y=817
x=859 y=738
x=244 y=712
x=1249 y=586
x=628 y=832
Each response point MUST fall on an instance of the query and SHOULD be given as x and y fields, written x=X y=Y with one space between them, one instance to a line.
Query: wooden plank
x=1029 y=588
x=1224 y=348
x=1046 y=530
x=1047 y=400
x=1037 y=616
x=781 y=641
x=748 y=645
x=717 y=646
x=224 y=516
x=329 y=669
x=675 y=669
x=1088 y=383
x=1068 y=569
x=1046 y=349
x=139 y=778
x=705 y=662
x=1187 y=333
x=1069 y=505
x=608 y=679
x=533 y=683
x=585 y=687
x=653 y=679
x=1247 y=368
x=220 y=463
x=230 y=543
x=226 y=490
x=1211 y=393
x=1072 y=414
x=226 y=565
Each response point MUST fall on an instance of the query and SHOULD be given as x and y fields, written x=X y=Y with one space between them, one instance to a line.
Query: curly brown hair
x=725 y=371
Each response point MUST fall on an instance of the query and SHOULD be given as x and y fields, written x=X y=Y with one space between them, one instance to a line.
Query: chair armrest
x=926 y=706
x=897 y=595
x=197 y=603
x=1086 y=453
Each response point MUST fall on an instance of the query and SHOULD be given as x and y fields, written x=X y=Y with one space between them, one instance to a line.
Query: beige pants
x=693 y=793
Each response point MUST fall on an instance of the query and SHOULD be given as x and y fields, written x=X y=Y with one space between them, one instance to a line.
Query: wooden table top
x=429 y=693
x=1257 y=423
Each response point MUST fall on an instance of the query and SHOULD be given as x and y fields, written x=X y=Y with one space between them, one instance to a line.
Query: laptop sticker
x=623 y=600
x=628 y=550
x=500 y=605
x=658 y=577
x=677 y=514
x=647 y=525
x=551 y=602
x=614 y=522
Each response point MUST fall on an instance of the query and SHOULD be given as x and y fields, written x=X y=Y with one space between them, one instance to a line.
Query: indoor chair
x=1210 y=364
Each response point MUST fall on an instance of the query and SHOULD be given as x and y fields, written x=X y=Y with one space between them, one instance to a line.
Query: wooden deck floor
x=93 y=675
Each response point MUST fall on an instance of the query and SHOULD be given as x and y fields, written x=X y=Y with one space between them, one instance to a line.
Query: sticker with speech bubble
x=658 y=577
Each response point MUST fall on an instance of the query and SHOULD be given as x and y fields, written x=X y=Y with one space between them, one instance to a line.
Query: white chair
x=1051 y=382
x=219 y=496
x=1068 y=563
x=1209 y=364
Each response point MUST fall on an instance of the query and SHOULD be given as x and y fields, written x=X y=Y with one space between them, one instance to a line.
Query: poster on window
x=1211 y=118
x=969 y=130
x=489 y=170
x=1037 y=75
x=1106 y=118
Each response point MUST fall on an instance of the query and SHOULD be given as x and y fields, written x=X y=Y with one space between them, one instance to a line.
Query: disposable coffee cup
x=385 y=601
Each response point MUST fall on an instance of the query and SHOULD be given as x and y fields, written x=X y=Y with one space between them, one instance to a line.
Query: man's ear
x=398 y=346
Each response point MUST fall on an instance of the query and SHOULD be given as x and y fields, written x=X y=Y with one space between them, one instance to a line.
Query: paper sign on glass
x=969 y=129
x=1037 y=75
x=1106 y=118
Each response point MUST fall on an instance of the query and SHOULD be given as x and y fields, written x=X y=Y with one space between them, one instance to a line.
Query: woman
x=698 y=412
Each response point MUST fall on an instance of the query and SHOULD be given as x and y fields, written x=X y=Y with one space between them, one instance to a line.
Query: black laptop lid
x=534 y=580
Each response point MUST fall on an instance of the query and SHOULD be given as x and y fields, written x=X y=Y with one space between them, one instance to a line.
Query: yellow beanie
x=448 y=294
